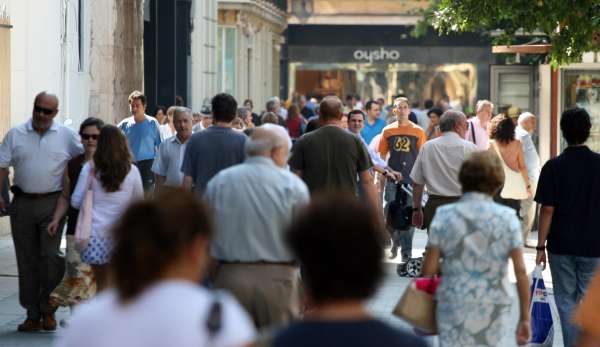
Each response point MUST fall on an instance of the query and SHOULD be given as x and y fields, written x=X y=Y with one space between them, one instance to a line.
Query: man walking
x=167 y=166
x=478 y=125
x=402 y=140
x=569 y=192
x=523 y=132
x=330 y=158
x=437 y=168
x=215 y=148
x=253 y=204
x=143 y=137
x=373 y=124
x=39 y=151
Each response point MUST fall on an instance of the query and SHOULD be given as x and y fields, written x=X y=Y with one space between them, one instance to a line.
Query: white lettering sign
x=376 y=55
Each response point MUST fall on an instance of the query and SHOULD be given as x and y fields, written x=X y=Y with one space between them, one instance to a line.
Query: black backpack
x=399 y=212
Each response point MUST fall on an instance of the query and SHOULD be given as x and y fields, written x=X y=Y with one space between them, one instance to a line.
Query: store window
x=226 y=44
x=581 y=88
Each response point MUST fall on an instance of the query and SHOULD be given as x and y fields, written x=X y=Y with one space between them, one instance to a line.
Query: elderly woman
x=476 y=237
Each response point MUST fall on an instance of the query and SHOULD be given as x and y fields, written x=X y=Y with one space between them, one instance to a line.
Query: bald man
x=253 y=204
x=38 y=150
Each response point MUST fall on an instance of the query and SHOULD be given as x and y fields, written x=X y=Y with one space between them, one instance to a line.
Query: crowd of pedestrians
x=232 y=228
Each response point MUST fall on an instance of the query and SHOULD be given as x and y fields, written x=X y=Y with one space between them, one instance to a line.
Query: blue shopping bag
x=542 y=327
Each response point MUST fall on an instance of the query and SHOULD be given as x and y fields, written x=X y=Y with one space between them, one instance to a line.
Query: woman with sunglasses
x=78 y=283
x=115 y=183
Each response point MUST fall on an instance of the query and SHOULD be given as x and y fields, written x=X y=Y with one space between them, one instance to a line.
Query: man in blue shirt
x=143 y=136
x=373 y=125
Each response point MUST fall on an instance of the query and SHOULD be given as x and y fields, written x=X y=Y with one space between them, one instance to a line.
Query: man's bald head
x=268 y=142
x=331 y=108
x=45 y=108
x=47 y=99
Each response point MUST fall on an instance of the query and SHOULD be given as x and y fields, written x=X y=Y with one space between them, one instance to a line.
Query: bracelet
x=540 y=248
x=417 y=209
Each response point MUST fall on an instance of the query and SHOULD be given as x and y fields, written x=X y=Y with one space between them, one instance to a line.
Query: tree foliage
x=573 y=26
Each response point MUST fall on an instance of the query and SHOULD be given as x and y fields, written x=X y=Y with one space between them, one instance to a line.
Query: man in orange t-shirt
x=402 y=141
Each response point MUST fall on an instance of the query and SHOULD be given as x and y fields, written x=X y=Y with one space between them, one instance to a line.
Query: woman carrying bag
x=476 y=237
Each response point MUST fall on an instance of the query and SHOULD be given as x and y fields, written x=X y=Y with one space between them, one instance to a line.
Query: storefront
x=382 y=61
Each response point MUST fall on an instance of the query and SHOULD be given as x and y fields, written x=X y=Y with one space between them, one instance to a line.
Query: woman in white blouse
x=115 y=183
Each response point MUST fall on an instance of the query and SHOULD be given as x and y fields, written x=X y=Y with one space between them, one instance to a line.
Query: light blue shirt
x=143 y=137
x=39 y=161
x=530 y=154
x=253 y=204
x=168 y=161
x=370 y=131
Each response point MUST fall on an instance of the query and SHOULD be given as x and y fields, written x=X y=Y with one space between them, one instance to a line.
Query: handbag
x=514 y=184
x=83 y=228
x=399 y=213
x=417 y=305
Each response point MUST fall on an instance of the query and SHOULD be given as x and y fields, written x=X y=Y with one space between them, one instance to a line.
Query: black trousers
x=145 y=167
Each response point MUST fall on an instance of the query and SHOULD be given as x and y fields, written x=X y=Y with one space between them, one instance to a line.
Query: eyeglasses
x=89 y=136
x=40 y=109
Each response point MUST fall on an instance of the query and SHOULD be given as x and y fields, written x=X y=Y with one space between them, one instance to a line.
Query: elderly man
x=143 y=134
x=214 y=149
x=39 y=151
x=523 y=132
x=437 y=167
x=477 y=132
x=253 y=204
x=167 y=165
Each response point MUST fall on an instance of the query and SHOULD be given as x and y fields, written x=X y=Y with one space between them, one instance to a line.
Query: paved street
x=11 y=314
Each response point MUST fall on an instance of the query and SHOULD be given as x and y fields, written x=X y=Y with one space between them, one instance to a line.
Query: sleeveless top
x=74 y=167
x=514 y=184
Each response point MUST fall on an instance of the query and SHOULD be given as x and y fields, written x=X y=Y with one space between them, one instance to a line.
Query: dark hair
x=353 y=112
x=270 y=106
x=91 y=122
x=160 y=108
x=250 y=102
x=152 y=234
x=137 y=95
x=224 y=107
x=312 y=125
x=428 y=103
x=575 y=125
x=481 y=172
x=370 y=103
x=502 y=129
x=341 y=257
x=112 y=158
x=293 y=111
x=435 y=111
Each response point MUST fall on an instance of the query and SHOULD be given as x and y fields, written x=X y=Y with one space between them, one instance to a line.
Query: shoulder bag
x=418 y=304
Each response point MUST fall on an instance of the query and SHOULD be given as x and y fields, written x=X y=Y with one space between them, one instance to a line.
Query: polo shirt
x=530 y=154
x=168 y=161
x=39 y=161
x=210 y=151
x=571 y=184
x=143 y=137
x=370 y=131
x=253 y=204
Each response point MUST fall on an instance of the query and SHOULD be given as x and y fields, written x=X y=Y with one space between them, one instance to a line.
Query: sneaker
x=48 y=322
x=30 y=325
x=394 y=252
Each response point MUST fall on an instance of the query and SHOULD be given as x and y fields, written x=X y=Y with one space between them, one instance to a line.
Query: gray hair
x=241 y=112
x=449 y=120
x=483 y=103
x=178 y=110
x=264 y=139
x=525 y=116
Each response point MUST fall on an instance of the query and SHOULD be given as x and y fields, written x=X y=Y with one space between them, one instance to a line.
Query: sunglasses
x=40 y=109
x=89 y=136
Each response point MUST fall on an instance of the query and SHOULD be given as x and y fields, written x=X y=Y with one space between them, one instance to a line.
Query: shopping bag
x=542 y=327
x=83 y=228
x=417 y=304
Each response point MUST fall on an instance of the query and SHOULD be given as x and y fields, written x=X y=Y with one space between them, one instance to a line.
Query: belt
x=440 y=197
x=259 y=262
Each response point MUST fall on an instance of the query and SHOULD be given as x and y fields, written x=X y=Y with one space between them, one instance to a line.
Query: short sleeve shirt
x=370 y=131
x=571 y=184
x=168 y=161
x=143 y=137
x=330 y=159
x=210 y=151
x=403 y=144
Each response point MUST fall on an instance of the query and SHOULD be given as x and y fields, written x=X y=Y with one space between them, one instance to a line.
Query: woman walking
x=115 y=183
x=510 y=150
x=476 y=237
x=78 y=283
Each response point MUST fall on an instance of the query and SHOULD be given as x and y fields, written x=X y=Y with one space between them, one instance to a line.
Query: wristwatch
x=540 y=248
x=385 y=173
x=417 y=209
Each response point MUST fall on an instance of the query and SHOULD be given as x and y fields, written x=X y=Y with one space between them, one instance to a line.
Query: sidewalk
x=11 y=313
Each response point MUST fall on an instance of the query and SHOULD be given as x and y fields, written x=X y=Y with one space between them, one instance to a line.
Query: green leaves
x=569 y=24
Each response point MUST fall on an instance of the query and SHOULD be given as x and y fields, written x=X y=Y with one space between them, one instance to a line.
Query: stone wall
x=116 y=56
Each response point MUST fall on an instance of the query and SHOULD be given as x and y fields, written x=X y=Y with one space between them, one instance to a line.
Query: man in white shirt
x=167 y=165
x=38 y=151
x=437 y=167
x=478 y=125
x=523 y=132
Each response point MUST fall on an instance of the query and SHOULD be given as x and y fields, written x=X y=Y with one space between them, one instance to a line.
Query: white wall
x=203 y=60
x=43 y=58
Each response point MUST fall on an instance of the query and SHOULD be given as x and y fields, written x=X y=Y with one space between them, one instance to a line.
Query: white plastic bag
x=542 y=327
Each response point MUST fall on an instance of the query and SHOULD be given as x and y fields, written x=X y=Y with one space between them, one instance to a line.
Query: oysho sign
x=376 y=55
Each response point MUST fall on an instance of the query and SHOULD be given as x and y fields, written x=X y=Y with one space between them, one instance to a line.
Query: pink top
x=481 y=135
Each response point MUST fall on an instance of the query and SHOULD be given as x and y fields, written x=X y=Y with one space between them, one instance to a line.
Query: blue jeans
x=400 y=238
x=570 y=278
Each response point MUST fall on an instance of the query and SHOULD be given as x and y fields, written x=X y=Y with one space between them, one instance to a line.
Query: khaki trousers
x=432 y=205
x=268 y=292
